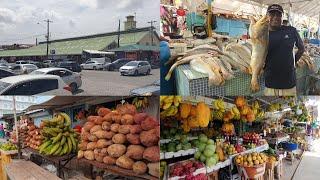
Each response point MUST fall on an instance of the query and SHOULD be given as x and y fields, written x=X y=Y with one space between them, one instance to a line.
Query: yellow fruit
x=259 y=158
x=238 y=161
x=261 y=161
x=254 y=158
x=203 y=114
x=249 y=159
x=185 y=109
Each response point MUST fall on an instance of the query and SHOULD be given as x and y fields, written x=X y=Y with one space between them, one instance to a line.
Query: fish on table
x=259 y=34
x=201 y=65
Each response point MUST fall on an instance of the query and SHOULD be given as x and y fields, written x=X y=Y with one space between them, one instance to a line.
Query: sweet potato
x=125 y=162
x=103 y=111
x=149 y=138
x=88 y=125
x=116 y=118
x=119 y=139
x=115 y=127
x=92 y=138
x=98 y=157
x=149 y=123
x=135 y=152
x=124 y=129
x=80 y=154
x=109 y=160
x=116 y=150
x=104 y=151
x=91 y=145
x=154 y=169
x=133 y=138
x=101 y=134
x=99 y=120
x=139 y=117
x=126 y=109
x=84 y=135
x=106 y=126
x=92 y=118
x=139 y=167
x=157 y=131
x=102 y=143
x=127 y=119
x=152 y=154
x=96 y=151
x=135 y=129
x=83 y=145
x=108 y=117
x=89 y=155
x=95 y=128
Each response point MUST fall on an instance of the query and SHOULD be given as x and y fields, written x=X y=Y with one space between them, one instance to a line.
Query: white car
x=73 y=79
x=34 y=85
x=95 y=65
x=23 y=68
x=136 y=68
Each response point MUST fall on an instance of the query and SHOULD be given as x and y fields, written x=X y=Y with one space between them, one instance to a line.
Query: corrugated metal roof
x=76 y=46
x=137 y=47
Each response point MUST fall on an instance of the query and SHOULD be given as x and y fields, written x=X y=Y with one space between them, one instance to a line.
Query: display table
x=21 y=169
x=6 y=158
x=59 y=161
x=308 y=167
x=116 y=170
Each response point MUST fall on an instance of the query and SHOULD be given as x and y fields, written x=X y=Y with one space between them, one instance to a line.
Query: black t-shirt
x=279 y=71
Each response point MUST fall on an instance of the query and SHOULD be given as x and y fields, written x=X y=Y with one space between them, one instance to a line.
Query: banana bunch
x=140 y=102
x=59 y=137
x=218 y=115
x=275 y=107
x=255 y=105
x=171 y=111
x=219 y=105
x=236 y=113
x=168 y=101
x=260 y=114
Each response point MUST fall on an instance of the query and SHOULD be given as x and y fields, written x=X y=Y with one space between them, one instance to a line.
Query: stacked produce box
x=122 y=137
x=34 y=138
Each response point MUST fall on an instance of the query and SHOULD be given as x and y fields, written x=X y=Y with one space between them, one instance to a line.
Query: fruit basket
x=254 y=171
x=182 y=169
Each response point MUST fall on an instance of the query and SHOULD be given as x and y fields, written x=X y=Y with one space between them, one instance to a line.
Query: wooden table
x=59 y=161
x=6 y=158
x=117 y=170
x=27 y=170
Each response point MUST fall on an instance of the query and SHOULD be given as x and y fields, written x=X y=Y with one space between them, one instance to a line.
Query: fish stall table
x=192 y=83
x=60 y=161
x=21 y=169
x=116 y=170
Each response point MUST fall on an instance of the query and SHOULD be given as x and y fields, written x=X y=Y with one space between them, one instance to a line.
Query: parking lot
x=111 y=83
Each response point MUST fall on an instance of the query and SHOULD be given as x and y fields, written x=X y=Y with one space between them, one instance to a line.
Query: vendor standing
x=279 y=71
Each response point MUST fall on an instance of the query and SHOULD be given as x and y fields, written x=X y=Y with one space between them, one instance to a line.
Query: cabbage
x=211 y=162
x=197 y=155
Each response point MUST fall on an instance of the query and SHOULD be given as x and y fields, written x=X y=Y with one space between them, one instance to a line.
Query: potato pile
x=251 y=159
x=122 y=137
x=34 y=138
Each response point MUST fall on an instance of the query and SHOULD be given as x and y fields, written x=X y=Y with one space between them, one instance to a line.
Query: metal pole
x=151 y=31
x=209 y=19
x=119 y=34
x=16 y=125
x=48 y=30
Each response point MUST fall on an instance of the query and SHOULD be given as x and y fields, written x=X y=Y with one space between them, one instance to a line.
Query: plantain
x=54 y=148
x=44 y=145
x=65 y=148
x=57 y=138
x=57 y=151
x=74 y=144
x=63 y=140
x=66 y=119
x=69 y=142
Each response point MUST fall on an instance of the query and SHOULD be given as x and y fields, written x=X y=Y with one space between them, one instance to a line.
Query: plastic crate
x=193 y=83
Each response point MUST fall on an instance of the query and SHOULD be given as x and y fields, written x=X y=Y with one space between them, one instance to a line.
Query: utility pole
x=119 y=34
x=151 y=30
x=48 y=22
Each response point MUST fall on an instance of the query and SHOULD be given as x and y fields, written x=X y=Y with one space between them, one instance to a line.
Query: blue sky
x=19 y=18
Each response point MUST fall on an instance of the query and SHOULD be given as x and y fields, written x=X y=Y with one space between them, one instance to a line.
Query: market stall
x=211 y=49
x=89 y=136
x=228 y=137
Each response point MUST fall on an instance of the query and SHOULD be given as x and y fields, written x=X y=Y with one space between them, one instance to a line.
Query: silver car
x=136 y=68
x=23 y=68
x=72 y=79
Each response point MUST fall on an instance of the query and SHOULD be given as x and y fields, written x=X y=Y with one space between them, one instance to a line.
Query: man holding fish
x=279 y=70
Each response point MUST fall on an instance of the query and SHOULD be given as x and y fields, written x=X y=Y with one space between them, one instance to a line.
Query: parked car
x=38 y=64
x=34 y=85
x=71 y=65
x=101 y=60
x=23 y=68
x=4 y=66
x=72 y=79
x=21 y=62
x=135 y=68
x=6 y=73
x=152 y=89
x=95 y=65
x=49 y=63
x=115 y=64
